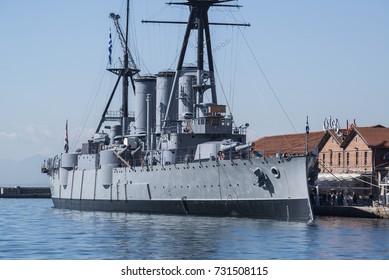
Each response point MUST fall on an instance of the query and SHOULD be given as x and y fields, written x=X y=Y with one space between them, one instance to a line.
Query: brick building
x=356 y=150
x=351 y=160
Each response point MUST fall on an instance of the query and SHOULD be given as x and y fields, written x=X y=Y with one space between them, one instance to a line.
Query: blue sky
x=321 y=58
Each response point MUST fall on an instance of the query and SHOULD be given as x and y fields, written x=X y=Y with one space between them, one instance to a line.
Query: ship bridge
x=212 y=120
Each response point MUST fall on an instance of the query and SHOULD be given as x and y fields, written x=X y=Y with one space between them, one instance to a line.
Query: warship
x=177 y=154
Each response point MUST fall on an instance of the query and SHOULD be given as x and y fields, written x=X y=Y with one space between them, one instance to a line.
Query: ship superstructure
x=182 y=155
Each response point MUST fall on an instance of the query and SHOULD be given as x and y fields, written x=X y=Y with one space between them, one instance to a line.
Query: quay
x=25 y=192
x=381 y=211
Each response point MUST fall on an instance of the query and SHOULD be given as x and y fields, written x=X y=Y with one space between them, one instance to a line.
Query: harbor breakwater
x=25 y=192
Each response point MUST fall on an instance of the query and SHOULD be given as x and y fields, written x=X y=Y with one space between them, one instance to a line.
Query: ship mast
x=126 y=72
x=125 y=79
x=198 y=21
x=199 y=18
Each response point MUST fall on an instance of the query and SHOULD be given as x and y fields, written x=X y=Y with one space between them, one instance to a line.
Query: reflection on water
x=32 y=229
x=350 y=238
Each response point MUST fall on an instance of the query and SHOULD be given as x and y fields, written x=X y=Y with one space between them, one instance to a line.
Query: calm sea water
x=32 y=229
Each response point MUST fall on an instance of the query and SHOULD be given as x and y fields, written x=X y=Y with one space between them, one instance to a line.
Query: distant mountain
x=23 y=172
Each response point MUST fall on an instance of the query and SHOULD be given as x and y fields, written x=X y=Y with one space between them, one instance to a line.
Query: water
x=32 y=229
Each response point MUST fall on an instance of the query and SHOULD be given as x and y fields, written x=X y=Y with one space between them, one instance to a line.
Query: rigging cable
x=222 y=89
x=268 y=82
x=90 y=104
x=269 y=85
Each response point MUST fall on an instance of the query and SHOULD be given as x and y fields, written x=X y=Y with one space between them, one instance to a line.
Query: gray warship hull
x=216 y=188
x=181 y=151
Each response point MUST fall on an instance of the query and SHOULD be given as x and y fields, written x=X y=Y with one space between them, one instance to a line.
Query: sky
x=297 y=59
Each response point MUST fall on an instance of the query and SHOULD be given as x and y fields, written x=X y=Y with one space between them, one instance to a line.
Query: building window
x=331 y=159
x=365 y=158
x=356 y=158
x=347 y=158
x=324 y=159
x=339 y=159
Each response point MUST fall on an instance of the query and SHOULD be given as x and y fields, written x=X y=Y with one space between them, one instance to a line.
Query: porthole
x=275 y=172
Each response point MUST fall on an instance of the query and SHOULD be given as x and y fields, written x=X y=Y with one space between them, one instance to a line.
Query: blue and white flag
x=66 y=146
x=110 y=48
x=307 y=127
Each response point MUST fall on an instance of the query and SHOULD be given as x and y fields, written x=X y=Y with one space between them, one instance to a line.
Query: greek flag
x=66 y=146
x=307 y=127
x=110 y=48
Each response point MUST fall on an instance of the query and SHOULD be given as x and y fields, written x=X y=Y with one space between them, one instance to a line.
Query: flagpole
x=306 y=137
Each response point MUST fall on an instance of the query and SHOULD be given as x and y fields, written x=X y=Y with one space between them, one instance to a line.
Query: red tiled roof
x=288 y=143
x=377 y=137
x=374 y=136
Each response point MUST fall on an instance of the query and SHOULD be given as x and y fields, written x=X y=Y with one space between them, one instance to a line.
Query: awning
x=331 y=177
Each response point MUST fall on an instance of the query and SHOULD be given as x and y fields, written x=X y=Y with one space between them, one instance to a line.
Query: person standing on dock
x=355 y=199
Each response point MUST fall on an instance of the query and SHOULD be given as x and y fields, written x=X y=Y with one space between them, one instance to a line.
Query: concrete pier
x=25 y=192
x=353 y=211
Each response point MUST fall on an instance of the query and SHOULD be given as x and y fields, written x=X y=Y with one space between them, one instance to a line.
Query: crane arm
x=122 y=40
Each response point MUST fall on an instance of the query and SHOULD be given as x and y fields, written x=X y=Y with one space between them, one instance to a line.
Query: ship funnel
x=164 y=86
x=186 y=97
x=143 y=86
